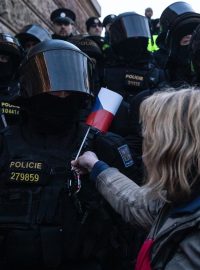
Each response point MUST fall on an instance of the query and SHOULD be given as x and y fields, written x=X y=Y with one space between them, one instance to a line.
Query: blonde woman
x=169 y=202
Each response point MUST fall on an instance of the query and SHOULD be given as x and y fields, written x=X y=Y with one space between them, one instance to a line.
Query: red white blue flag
x=104 y=110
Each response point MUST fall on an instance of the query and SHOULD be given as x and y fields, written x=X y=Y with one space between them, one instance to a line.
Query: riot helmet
x=178 y=20
x=32 y=34
x=129 y=34
x=10 y=57
x=53 y=66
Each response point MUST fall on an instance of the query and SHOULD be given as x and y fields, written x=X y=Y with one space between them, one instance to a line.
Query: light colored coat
x=177 y=240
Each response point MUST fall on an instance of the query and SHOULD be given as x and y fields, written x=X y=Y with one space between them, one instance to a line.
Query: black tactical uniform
x=107 y=22
x=11 y=53
x=195 y=56
x=45 y=223
x=92 y=46
x=177 y=21
x=129 y=69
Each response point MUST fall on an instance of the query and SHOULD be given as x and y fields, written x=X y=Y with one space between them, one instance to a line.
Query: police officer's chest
x=132 y=80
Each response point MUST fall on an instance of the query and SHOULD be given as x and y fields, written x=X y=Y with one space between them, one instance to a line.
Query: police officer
x=161 y=55
x=107 y=22
x=48 y=220
x=32 y=34
x=178 y=22
x=148 y=14
x=92 y=46
x=94 y=26
x=63 y=23
x=129 y=69
x=10 y=58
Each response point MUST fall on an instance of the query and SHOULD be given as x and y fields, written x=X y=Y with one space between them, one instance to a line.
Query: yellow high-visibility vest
x=152 y=46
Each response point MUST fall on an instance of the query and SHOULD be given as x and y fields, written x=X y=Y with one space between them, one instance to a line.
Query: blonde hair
x=171 y=145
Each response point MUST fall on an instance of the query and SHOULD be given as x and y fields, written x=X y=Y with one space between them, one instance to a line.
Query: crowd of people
x=131 y=199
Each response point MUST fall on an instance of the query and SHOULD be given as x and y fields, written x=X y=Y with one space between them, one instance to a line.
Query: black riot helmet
x=32 y=32
x=10 y=45
x=129 y=34
x=178 y=20
x=11 y=55
x=53 y=66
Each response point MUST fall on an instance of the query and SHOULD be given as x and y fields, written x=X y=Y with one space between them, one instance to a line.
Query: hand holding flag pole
x=106 y=105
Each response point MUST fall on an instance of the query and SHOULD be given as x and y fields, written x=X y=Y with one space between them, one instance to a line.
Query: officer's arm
x=113 y=149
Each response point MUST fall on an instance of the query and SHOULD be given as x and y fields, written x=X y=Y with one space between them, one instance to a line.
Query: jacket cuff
x=99 y=167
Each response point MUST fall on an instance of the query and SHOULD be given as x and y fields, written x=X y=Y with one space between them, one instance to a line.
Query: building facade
x=15 y=14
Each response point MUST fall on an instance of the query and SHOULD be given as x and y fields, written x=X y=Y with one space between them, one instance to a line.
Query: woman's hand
x=85 y=163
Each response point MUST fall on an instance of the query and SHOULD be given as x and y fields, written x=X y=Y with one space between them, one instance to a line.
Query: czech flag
x=104 y=110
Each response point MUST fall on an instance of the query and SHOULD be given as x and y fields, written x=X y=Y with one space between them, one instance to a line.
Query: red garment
x=144 y=259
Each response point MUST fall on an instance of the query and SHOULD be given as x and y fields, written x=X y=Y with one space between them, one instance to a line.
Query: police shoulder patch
x=126 y=155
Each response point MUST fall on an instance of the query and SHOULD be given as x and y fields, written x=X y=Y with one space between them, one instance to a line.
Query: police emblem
x=62 y=14
x=126 y=155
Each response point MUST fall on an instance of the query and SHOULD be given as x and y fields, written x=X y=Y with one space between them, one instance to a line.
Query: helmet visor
x=58 y=70
x=128 y=27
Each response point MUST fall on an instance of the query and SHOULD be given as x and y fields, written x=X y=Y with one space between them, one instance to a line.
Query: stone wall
x=14 y=14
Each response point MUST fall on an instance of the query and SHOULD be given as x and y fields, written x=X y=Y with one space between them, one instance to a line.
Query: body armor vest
x=130 y=81
x=40 y=224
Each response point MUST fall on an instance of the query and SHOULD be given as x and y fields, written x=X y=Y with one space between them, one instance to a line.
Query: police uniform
x=194 y=48
x=10 y=113
x=9 y=86
x=92 y=46
x=178 y=20
x=129 y=69
x=45 y=222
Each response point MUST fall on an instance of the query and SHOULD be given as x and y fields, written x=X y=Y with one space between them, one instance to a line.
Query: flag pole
x=76 y=174
x=84 y=139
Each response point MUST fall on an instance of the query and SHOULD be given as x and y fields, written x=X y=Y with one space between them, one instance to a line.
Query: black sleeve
x=3 y=153
x=113 y=149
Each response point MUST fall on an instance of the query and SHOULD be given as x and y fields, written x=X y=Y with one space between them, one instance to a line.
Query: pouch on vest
x=16 y=207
